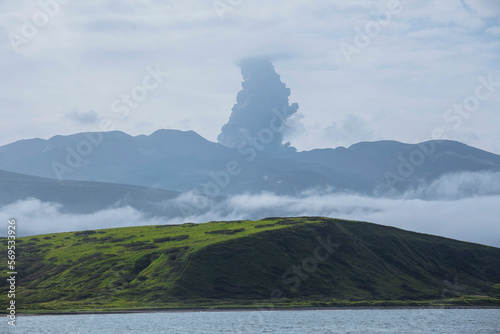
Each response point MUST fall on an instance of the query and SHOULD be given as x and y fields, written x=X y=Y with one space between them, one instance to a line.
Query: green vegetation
x=275 y=262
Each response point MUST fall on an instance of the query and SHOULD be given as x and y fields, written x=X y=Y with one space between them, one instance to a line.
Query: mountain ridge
x=184 y=161
x=82 y=196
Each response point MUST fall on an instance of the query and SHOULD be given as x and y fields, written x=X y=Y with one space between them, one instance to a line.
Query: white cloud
x=459 y=185
x=345 y=132
x=83 y=117
x=36 y=217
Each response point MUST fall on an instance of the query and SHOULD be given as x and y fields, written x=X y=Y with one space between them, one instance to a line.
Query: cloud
x=345 y=131
x=82 y=117
x=36 y=217
x=262 y=107
x=353 y=128
x=459 y=185
x=485 y=7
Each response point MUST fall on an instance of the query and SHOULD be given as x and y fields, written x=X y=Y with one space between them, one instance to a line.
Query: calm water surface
x=282 y=322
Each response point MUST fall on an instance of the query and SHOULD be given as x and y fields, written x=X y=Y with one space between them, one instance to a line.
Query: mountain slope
x=184 y=161
x=391 y=164
x=84 y=197
x=276 y=261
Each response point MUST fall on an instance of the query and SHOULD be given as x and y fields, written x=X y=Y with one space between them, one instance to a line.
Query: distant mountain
x=391 y=166
x=279 y=262
x=184 y=161
x=85 y=197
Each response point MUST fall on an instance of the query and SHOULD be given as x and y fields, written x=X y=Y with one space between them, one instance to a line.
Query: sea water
x=449 y=321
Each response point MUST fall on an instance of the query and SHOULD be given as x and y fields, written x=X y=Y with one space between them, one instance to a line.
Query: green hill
x=280 y=262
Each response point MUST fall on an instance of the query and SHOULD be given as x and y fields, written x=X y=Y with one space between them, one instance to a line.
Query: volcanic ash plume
x=262 y=108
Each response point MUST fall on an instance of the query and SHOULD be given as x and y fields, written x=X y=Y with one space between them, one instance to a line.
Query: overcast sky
x=66 y=75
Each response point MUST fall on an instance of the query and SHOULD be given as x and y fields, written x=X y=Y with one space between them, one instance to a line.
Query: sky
x=359 y=70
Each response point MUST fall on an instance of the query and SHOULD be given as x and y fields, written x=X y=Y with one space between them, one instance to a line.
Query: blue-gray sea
x=467 y=321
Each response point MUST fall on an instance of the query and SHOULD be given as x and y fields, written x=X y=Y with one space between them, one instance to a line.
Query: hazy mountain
x=85 y=197
x=184 y=161
x=391 y=166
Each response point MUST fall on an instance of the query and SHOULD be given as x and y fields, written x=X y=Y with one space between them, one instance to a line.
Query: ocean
x=408 y=321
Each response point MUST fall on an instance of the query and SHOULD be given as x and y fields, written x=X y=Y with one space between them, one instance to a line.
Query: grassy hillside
x=307 y=261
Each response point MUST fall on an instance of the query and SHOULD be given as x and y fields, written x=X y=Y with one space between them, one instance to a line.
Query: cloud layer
x=459 y=185
x=452 y=213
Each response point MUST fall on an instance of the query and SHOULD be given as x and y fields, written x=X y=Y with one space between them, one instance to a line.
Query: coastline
x=243 y=309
